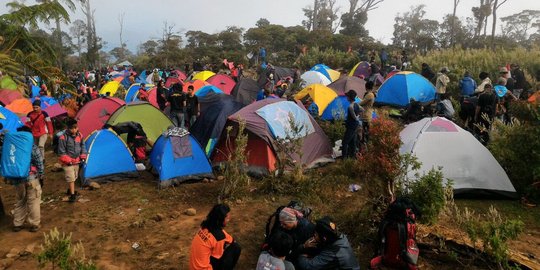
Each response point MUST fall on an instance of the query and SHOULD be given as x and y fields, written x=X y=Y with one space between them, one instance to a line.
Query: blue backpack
x=16 y=154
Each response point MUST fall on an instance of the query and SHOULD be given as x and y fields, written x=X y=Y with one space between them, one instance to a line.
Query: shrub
x=516 y=148
x=428 y=193
x=333 y=129
x=58 y=250
x=236 y=180
x=333 y=58
x=493 y=233
x=382 y=160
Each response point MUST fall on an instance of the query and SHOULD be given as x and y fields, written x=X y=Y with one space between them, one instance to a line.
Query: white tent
x=125 y=64
x=313 y=77
x=474 y=171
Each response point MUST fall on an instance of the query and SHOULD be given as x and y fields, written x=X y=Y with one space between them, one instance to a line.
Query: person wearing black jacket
x=299 y=228
x=520 y=82
x=427 y=72
x=177 y=99
x=161 y=96
x=335 y=250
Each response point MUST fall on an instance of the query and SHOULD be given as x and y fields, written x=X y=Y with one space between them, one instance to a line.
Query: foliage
x=459 y=60
x=59 y=251
x=493 y=231
x=382 y=161
x=236 y=182
x=516 y=148
x=413 y=31
x=333 y=129
x=289 y=149
x=331 y=57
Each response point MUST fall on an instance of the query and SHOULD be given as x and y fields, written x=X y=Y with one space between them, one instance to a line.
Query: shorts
x=71 y=173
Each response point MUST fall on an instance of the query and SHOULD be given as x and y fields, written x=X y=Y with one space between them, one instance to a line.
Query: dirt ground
x=123 y=213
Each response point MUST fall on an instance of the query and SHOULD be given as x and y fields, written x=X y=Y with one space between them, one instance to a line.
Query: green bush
x=517 y=148
x=335 y=59
x=236 y=181
x=428 y=193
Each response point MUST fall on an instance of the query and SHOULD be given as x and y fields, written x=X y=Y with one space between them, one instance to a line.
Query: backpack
x=272 y=224
x=16 y=155
x=397 y=237
x=55 y=140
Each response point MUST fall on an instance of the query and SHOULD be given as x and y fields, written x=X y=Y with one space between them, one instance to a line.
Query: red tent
x=7 y=96
x=223 y=82
x=94 y=114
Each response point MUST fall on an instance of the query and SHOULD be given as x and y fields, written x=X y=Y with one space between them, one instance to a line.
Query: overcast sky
x=144 y=20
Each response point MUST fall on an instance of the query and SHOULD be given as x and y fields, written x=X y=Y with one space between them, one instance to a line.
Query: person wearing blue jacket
x=467 y=85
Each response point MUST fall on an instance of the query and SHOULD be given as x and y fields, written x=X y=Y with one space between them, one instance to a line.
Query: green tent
x=8 y=83
x=153 y=121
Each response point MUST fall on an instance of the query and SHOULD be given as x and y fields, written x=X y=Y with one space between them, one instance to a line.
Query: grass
x=510 y=209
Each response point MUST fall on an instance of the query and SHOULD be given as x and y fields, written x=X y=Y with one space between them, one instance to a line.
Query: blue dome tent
x=109 y=158
x=399 y=89
x=177 y=157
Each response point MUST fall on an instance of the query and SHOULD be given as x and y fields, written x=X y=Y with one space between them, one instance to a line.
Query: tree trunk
x=314 y=17
x=60 y=55
x=452 y=29
x=494 y=25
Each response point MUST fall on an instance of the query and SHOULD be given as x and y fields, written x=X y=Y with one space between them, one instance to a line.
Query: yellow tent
x=320 y=94
x=110 y=87
x=203 y=75
x=334 y=74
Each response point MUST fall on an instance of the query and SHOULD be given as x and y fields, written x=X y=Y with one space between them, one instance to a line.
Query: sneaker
x=34 y=229
x=17 y=228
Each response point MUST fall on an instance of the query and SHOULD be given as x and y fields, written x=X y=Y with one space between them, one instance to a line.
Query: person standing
x=72 y=152
x=467 y=85
x=27 y=207
x=427 y=72
x=442 y=82
x=484 y=76
x=212 y=247
x=177 y=99
x=161 y=95
x=41 y=125
x=520 y=81
x=367 y=104
x=352 y=123
x=192 y=106
x=485 y=111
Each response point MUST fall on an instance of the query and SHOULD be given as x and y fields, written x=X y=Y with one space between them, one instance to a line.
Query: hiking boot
x=73 y=197
x=17 y=228
x=34 y=229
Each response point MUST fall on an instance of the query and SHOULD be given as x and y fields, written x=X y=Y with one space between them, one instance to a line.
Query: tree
x=321 y=16
x=169 y=45
x=412 y=31
x=230 y=38
x=122 y=44
x=353 y=21
x=149 y=48
x=93 y=43
x=262 y=22
x=453 y=22
x=517 y=26
x=452 y=32
x=496 y=6
x=78 y=31
x=481 y=13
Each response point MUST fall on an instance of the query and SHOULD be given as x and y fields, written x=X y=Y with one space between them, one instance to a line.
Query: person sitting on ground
x=72 y=152
x=413 y=112
x=299 y=228
x=280 y=246
x=212 y=247
x=336 y=251
x=445 y=107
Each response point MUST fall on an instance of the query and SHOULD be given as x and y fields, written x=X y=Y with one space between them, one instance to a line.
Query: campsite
x=328 y=135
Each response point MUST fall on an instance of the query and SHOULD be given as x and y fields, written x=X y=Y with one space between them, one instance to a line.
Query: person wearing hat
x=41 y=125
x=442 y=81
x=352 y=123
x=335 y=250
x=504 y=98
x=299 y=228
x=520 y=80
x=485 y=111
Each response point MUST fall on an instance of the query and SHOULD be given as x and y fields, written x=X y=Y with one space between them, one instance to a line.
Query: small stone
x=6 y=263
x=57 y=167
x=273 y=199
x=220 y=178
x=238 y=201
x=162 y=255
x=29 y=250
x=159 y=217
x=13 y=253
x=190 y=212
x=205 y=180
x=94 y=185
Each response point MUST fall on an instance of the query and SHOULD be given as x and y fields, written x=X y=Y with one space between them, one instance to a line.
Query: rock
x=94 y=185
x=138 y=224
x=13 y=253
x=190 y=212
x=162 y=255
x=220 y=178
x=29 y=250
x=106 y=266
x=238 y=201
x=205 y=180
x=159 y=217
x=57 y=167
x=6 y=263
